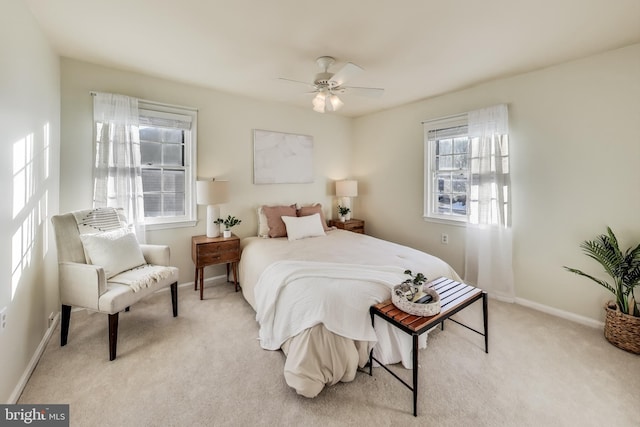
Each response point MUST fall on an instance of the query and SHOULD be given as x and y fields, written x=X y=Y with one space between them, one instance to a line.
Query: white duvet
x=306 y=293
x=312 y=299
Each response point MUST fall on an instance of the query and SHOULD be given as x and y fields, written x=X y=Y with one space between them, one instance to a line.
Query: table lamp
x=346 y=189
x=212 y=193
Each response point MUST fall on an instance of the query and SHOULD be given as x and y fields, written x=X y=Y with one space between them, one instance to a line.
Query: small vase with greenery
x=623 y=267
x=413 y=287
x=229 y=222
x=416 y=280
x=343 y=211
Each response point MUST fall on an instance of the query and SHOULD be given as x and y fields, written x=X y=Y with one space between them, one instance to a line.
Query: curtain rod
x=453 y=116
x=160 y=104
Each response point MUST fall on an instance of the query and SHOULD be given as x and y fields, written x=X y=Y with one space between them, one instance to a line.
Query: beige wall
x=29 y=115
x=225 y=148
x=575 y=141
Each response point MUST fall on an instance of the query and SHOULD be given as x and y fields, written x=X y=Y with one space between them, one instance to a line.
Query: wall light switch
x=3 y=319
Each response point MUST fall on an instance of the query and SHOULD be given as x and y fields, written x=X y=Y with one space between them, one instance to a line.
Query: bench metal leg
x=415 y=375
x=486 y=322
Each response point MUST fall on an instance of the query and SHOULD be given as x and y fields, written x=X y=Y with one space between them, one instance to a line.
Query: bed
x=312 y=297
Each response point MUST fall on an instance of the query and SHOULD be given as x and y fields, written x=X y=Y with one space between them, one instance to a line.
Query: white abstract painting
x=282 y=158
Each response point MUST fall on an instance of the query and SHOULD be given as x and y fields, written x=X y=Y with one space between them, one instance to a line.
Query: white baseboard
x=207 y=282
x=22 y=383
x=561 y=313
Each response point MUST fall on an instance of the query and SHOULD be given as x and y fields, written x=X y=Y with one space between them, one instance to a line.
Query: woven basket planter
x=429 y=309
x=622 y=330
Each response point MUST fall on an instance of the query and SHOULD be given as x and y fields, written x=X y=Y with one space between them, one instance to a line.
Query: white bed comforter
x=310 y=293
x=312 y=299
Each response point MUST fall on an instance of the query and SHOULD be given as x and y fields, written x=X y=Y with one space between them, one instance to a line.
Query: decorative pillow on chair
x=274 y=216
x=115 y=251
x=304 y=226
x=313 y=209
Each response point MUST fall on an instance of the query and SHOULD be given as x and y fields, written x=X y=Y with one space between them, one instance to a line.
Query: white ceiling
x=414 y=49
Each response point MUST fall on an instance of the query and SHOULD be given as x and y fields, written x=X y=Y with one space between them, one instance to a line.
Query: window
x=447 y=170
x=167 y=147
x=466 y=177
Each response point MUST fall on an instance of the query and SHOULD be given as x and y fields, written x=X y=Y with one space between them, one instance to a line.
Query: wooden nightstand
x=215 y=250
x=355 y=225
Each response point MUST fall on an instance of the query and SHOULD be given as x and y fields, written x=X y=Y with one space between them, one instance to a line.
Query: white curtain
x=488 y=254
x=117 y=171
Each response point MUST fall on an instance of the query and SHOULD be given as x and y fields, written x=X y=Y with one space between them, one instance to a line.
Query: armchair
x=129 y=272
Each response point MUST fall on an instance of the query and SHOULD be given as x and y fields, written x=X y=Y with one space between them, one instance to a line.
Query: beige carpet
x=206 y=368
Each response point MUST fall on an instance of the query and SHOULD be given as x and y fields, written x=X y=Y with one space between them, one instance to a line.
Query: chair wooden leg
x=113 y=335
x=64 y=327
x=174 y=298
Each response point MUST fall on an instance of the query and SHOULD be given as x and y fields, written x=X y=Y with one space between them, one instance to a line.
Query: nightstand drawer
x=218 y=252
x=218 y=257
x=353 y=225
x=356 y=228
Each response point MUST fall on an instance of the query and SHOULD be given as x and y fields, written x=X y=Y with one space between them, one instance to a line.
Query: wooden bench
x=454 y=296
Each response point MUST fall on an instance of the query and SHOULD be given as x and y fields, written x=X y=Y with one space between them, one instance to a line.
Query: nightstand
x=215 y=250
x=355 y=225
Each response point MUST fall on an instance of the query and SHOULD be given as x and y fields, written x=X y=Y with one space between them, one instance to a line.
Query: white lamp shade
x=347 y=188
x=212 y=192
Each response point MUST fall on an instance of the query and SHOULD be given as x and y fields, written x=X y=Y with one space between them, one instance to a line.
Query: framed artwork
x=282 y=158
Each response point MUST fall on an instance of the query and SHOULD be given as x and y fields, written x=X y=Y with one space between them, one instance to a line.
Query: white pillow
x=115 y=251
x=263 y=225
x=303 y=226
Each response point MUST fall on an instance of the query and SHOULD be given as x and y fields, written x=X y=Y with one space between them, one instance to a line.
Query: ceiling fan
x=328 y=85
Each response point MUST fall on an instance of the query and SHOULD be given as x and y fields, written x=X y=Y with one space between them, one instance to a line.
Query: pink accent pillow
x=274 y=216
x=314 y=209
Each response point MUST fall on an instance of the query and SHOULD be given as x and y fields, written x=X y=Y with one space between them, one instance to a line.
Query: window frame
x=172 y=112
x=429 y=210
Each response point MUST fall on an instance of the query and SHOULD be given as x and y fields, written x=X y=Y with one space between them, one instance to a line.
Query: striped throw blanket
x=97 y=220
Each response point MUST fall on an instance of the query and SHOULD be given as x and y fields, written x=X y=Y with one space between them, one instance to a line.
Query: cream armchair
x=103 y=288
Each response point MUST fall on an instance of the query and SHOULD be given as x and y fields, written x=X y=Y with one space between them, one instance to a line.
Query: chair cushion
x=115 y=251
x=120 y=296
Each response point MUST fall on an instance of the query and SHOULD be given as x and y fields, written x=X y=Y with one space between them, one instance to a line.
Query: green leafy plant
x=416 y=280
x=229 y=222
x=623 y=267
x=343 y=210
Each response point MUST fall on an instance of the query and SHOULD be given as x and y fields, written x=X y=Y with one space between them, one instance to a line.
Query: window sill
x=169 y=225
x=445 y=221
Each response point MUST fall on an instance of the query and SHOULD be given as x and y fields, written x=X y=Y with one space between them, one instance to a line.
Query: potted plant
x=622 y=322
x=416 y=280
x=343 y=211
x=228 y=223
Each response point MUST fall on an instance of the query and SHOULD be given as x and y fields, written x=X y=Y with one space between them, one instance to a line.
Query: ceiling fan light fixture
x=328 y=85
x=336 y=103
x=319 y=102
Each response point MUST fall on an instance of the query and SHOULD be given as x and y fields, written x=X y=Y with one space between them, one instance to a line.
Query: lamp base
x=213 y=213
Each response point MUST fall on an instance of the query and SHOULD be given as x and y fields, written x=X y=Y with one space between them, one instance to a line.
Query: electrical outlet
x=51 y=317
x=3 y=319
x=444 y=238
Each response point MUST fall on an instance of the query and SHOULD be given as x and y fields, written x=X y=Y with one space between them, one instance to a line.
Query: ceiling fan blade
x=297 y=82
x=345 y=73
x=370 y=92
